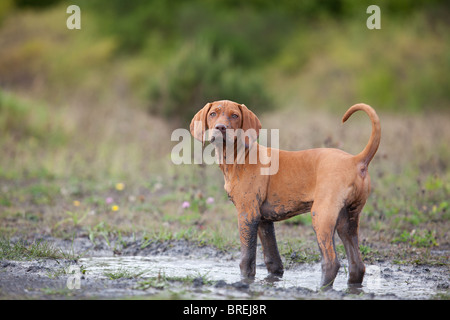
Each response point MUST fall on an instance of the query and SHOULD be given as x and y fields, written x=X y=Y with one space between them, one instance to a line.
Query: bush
x=22 y=121
x=197 y=76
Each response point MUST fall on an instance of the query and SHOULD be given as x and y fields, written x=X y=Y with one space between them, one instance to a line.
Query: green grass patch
x=30 y=122
x=21 y=250
x=161 y=281
x=123 y=273
x=418 y=238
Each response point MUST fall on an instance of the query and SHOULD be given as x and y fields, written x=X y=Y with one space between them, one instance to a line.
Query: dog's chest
x=277 y=211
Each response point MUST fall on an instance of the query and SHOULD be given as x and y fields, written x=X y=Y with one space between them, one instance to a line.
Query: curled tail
x=371 y=148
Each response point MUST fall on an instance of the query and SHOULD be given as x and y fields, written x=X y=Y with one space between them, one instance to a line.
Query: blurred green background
x=82 y=111
x=142 y=68
x=174 y=55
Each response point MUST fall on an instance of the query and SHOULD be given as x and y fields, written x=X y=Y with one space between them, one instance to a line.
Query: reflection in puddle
x=378 y=280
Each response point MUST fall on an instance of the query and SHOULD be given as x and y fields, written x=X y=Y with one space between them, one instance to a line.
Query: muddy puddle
x=381 y=281
x=184 y=270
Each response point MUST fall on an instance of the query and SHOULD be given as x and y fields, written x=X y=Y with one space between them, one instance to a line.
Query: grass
x=406 y=210
x=123 y=273
x=38 y=249
x=65 y=292
x=162 y=281
x=424 y=238
x=300 y=253
x=22 y=250
x=65 y=150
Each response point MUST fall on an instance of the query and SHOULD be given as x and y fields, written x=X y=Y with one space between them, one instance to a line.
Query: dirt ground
x=183 y=270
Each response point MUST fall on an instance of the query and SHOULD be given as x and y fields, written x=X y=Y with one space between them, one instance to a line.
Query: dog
x=331 y=184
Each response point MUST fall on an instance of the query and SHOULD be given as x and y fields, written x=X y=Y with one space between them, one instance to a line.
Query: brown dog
x=332 y=184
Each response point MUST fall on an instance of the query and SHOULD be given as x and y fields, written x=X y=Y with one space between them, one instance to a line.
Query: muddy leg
x=248 y=229
x=266 y=232
x=347 y=227
x=324 y=217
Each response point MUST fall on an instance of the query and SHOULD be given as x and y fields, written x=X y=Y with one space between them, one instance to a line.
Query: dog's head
x=220 y=116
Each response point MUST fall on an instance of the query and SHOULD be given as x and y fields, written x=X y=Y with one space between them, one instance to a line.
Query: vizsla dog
x=331 y=184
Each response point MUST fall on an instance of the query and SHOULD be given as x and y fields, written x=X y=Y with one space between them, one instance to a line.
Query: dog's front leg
x=248 y=230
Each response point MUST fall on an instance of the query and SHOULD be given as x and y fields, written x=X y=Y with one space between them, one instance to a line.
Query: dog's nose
x=221 y=127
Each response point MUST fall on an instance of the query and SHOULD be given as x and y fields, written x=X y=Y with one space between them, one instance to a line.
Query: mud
x=180 y=269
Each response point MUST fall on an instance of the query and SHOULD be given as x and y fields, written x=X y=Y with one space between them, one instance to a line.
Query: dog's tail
x=369 y=151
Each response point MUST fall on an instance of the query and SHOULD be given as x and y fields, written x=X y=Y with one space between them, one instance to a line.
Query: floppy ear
x=198 y=123
x=249 y=121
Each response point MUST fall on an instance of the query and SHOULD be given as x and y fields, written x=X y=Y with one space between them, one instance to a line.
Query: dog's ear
x=249 y=121
x=199 y=123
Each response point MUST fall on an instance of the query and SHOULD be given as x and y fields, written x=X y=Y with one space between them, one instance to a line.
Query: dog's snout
x=221 y=127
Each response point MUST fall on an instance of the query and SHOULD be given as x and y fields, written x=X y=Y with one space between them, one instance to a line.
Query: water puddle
x=405 y=282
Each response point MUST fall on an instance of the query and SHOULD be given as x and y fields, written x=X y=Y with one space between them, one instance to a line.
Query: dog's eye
x=212 y=114
x=235 y=116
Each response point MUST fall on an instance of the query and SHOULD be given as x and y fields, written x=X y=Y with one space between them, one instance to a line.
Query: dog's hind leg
x=347 y=227
x=324 y=217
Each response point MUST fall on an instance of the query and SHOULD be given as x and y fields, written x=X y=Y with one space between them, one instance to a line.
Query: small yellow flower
x=115 y=208
x=76 y=203
x=120 y=186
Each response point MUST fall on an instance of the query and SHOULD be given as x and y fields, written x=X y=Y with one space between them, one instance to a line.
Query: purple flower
x=109 y=200
x=185 y=204
x=210 y=200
